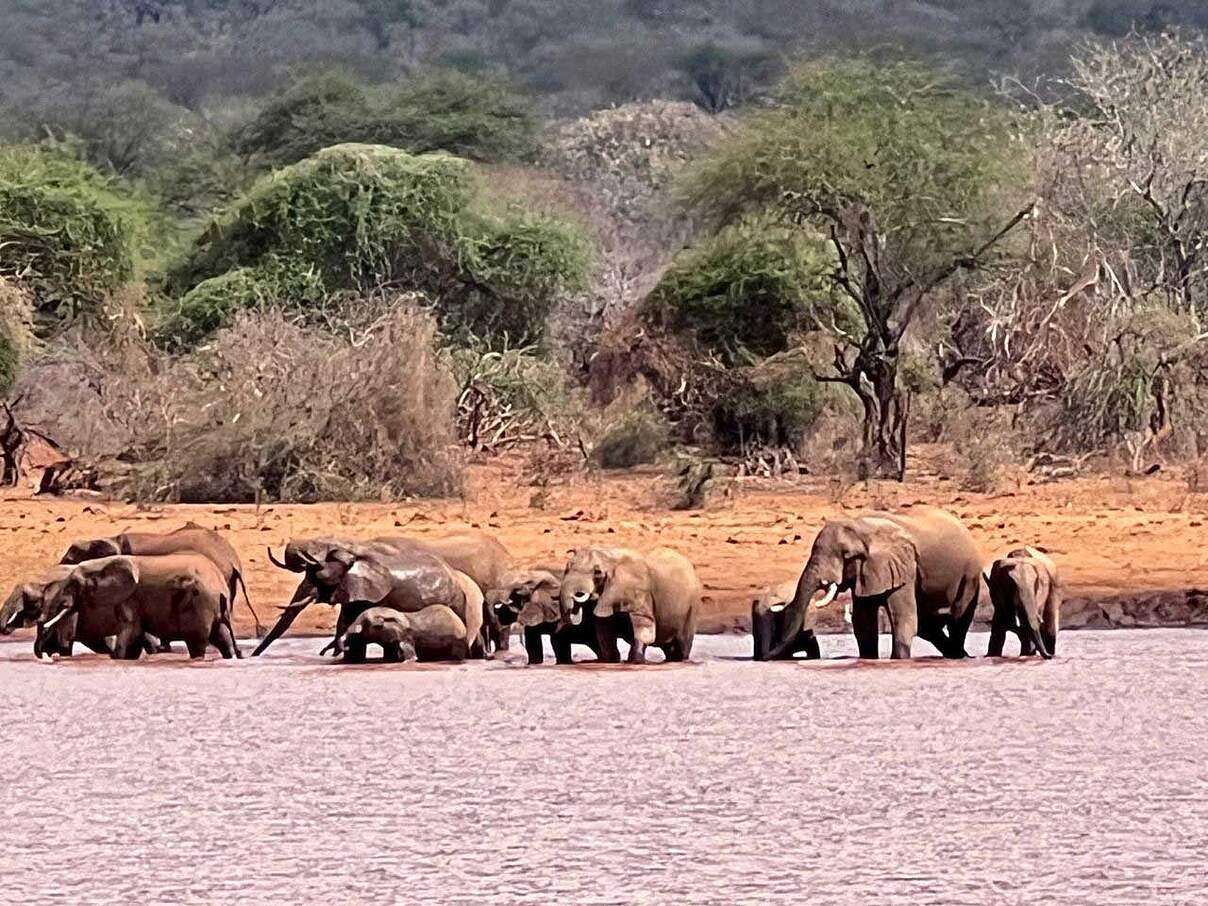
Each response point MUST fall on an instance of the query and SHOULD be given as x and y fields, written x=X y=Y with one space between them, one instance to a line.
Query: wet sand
x=288 y=779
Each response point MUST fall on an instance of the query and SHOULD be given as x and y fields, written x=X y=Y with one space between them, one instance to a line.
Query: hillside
x=63 y=62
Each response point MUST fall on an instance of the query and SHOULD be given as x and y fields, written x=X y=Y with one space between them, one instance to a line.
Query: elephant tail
x=248 y=602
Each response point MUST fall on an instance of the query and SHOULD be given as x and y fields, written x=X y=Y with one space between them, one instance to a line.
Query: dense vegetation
x=260 y=280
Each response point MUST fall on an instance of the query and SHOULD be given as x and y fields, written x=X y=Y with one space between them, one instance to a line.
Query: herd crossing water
x=291 y=779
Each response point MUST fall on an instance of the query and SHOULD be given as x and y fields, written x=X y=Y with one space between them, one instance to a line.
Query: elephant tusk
x=776 y=608
x=581 y=597
x=576 y=617
x=847 y=613
x=829 y=596
x=54 y=619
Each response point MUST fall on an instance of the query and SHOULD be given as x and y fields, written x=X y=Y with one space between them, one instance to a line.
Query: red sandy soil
x=1131 y=549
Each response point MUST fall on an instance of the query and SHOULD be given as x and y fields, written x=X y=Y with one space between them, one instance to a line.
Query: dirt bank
x=1131 y=549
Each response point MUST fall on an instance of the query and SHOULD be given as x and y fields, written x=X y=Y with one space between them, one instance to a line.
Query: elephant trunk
x=304 y=596
x=1029 y=622
x=797 y=609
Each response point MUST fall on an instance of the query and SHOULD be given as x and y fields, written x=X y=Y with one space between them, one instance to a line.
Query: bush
x=511 y=396
x=277 y=411
x=772 y=405
x=636 y=438
x=744 y=292
x=64 y=229
x=471 y=117
x=361 y=216
x=16 y=331
x=305 y=117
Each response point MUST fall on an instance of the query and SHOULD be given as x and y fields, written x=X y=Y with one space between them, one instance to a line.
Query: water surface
x=287 y=779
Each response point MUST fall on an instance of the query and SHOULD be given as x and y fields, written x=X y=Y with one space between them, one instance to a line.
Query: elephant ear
x=542 y=605
x=366 y=581
x=890 y=563
x=108 y=583
x=628 y=590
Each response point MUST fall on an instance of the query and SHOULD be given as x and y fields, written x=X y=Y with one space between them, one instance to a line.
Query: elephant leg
x=931 y=629
x=606 y=639
x=562 y=648
x=392 y=652
x=536 y=650
x=196 y=646
x=1026 y=648
x=637 y=653
x=355 y=652
x=864 y=625
x=809 y=644
x=223 y=639
x=1002 y=623
x=128 y=644
x=958 y=632
x=904 y=622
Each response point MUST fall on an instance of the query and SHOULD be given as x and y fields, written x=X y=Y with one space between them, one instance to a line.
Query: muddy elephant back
x=480 y=556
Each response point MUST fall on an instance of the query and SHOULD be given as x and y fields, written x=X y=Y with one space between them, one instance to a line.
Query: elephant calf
x=1026 y=593
x=434 y=633
x=531 y=599
x=768 y=620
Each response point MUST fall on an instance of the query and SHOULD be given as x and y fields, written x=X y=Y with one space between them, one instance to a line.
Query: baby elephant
x=435 y=633
x=530 y=598
x=1026 y=593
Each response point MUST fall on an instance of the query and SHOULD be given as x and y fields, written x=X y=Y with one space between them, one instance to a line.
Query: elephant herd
x=462 y=596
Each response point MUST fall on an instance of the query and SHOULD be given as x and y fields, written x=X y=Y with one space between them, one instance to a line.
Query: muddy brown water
x=290 y=780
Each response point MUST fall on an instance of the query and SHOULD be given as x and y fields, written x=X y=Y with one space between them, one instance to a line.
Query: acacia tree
x=898 y=171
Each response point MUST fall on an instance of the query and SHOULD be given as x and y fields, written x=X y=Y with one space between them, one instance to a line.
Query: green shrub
x=461 y=114
x=64 y=229
x=360 y=216
x=774 y=404
x=636 y=438
x=744 y=292
x=320 y=110
x=16 y=331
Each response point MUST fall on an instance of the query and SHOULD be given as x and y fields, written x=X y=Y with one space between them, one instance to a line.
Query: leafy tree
x=310 y=114
x=461 y=114
x=65 y=230
x=744 y=292
x=360 y=217
x=895 y=168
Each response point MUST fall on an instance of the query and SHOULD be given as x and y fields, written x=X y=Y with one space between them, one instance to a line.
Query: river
x=287 y=779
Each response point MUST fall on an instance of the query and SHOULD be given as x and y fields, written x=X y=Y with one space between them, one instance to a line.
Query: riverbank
x=1131 y=551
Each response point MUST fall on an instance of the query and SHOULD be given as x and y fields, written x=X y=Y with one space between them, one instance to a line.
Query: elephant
x=1025 y=589
x=435 y=633
x=485 y=560
x=172 y=597
x=768 y=616
x=531 y=599
x=649 y=599
x=923 y=567
x=24 y=607
x=355 y=576
x=190 y=538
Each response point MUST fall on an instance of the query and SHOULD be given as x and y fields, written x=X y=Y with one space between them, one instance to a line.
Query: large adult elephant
x=922 y=567
x=174 y=597
x=646 y=599
x=355 y=576
x=190 y=538
x=484 y=559
x=531 y=599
